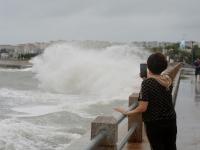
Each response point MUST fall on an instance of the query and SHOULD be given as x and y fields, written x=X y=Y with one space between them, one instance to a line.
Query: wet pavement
x=188 y=112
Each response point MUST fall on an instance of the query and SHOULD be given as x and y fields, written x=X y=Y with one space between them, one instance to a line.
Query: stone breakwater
x=15 y=64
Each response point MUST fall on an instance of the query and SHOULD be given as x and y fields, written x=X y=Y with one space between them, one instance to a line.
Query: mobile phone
x=143 y=70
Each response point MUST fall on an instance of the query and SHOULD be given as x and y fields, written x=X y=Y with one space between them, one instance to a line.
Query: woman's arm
x=142 y=107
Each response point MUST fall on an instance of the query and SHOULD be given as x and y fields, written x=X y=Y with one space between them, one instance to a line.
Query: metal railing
x=122 y=117
x=104 y=132
x=176 y=87
x=97 y=140
x=125 y=139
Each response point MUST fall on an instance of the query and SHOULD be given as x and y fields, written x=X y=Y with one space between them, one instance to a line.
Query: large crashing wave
x=74 y=69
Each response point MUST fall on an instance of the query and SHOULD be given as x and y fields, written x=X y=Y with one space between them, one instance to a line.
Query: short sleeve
x=145 y=91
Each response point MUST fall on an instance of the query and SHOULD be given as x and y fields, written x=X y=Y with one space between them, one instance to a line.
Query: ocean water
x=50 y=105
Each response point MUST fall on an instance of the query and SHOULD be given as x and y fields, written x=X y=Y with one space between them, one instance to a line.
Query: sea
x=51 y=104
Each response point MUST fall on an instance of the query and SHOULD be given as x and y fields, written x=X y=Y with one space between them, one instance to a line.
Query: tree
x=196 y=52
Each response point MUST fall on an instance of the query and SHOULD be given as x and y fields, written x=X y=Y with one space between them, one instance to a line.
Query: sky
x=23 y=21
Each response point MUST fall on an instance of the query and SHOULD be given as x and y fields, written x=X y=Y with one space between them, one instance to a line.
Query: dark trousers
x=162 y=134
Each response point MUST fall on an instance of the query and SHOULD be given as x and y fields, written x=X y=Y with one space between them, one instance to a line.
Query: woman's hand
x=121 y=110
x=142 y=107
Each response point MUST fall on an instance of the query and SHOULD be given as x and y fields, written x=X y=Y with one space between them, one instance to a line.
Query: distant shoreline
x=15 y=64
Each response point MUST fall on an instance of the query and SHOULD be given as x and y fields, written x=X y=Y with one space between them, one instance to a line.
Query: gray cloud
x=113 y=20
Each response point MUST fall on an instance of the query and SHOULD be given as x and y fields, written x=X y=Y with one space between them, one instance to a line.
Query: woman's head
x=157 y=63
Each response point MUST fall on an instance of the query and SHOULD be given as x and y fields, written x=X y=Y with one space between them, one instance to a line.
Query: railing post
x=137 y=135
x=108 y=123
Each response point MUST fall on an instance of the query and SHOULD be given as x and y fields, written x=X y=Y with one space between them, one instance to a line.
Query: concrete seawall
x=15 y=64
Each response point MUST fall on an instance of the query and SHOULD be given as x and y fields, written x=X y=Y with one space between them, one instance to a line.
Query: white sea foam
x=37 y=103
x=36 y=110
x=111 y=71
x=21 y=135
x=26 y=69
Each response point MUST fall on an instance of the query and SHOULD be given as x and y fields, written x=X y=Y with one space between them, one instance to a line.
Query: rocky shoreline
x=15 y=64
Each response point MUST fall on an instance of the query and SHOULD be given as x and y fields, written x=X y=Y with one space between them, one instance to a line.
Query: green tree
x=196 y=52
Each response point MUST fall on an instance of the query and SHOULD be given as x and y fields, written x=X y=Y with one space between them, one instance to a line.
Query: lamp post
x=192 y=52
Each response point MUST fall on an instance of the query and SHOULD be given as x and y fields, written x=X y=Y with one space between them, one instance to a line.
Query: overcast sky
x=24 y=21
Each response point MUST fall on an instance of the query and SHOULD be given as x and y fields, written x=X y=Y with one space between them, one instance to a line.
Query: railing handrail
x=175 y=90
x=103 y=132
x=97 y=140
x=125 y=139
x=121 y=117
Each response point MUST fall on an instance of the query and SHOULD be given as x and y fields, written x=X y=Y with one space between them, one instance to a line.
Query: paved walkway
x=188 y=115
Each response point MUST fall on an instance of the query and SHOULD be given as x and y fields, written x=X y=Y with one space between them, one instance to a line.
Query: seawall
x=15 y=64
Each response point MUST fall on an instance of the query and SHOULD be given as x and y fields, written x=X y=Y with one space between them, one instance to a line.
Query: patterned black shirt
x=159 y=99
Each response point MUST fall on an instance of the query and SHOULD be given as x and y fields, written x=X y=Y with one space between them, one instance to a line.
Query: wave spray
x=74 y=69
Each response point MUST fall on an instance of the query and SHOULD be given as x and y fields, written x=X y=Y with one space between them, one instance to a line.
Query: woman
x=155 y=103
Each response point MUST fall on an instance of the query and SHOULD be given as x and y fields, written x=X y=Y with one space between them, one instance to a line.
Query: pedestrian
x=155 y=104
x=197 y=67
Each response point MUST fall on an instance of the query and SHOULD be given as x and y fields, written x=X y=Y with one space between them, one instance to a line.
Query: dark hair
x=157 y=63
